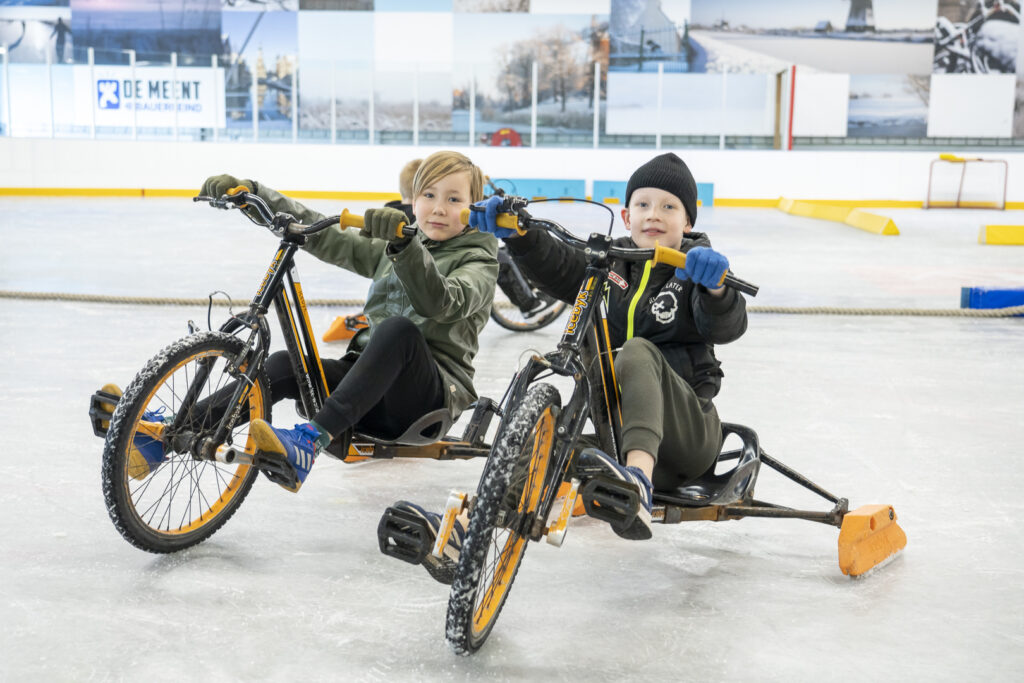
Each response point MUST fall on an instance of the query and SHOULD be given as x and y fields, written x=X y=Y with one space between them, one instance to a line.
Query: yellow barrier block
x=880 y=225
x=839 y=213
x=1001 y=234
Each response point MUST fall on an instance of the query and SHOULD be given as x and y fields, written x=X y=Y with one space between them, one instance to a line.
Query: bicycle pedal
x=562 y=510
x=276 y=468
x=404 y=536
x=611 y=500
x=101 y=409
x=455 y=505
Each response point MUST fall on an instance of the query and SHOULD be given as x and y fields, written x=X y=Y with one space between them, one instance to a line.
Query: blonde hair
x=442 y=164
x=405 y=178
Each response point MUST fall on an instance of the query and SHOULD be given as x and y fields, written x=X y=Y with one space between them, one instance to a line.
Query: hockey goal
x=966 y=183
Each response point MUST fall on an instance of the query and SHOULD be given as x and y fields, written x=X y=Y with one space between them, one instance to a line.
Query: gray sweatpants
x=662 y=415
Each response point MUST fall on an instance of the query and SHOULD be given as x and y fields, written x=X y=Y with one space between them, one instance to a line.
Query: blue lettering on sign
x=108 y=94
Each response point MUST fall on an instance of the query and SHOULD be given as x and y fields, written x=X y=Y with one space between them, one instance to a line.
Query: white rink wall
x=736 y=174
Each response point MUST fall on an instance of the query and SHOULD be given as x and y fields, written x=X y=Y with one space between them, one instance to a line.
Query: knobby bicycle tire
x=511 y=486
x=181 y=501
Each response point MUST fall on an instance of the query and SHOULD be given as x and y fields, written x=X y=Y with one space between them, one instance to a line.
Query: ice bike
x=210 y=463
x=529 y=486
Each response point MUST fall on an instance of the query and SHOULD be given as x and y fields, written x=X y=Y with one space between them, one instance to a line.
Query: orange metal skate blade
x=869 y=536
x=338 y=331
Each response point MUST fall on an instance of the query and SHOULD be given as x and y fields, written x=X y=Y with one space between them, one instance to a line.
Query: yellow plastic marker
x=505 y=220
x=1001 y=234
x=869 y=536
x=354 y=220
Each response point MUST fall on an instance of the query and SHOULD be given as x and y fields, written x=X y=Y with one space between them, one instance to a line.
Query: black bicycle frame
x=281 y=279
x=584 y=354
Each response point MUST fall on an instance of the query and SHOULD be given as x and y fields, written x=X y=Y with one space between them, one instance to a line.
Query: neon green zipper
x=636 y=299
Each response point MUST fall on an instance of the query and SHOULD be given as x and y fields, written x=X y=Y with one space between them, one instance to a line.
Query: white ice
x=923 y=413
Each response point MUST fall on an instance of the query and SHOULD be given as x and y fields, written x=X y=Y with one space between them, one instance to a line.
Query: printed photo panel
x=853 y=37
x=644 y=34
x=260 y=5
x=327 y=73
x=150 y=28
x=976 y=38
x=261 y=47
x=403 y=75
x=971 y=105
x=888 y=105
x=337 y=5
x=1018 y=116
x=692 y=104
x=500 y=72
x=490 y=5
x=37 y=32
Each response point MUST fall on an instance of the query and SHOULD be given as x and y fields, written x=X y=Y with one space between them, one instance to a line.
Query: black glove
x=384 y=224
x=217 y=185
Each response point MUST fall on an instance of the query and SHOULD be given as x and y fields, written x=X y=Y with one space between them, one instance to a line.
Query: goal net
x=966 y=183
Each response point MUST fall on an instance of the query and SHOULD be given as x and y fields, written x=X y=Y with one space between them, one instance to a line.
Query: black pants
x=391 y=384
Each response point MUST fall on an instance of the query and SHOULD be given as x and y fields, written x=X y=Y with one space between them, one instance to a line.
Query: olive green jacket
x=445 y=288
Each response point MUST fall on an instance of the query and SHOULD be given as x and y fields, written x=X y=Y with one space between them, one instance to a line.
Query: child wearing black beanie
x=665 y=323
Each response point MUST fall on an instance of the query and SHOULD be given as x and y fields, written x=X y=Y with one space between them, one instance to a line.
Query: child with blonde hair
x=429 y=298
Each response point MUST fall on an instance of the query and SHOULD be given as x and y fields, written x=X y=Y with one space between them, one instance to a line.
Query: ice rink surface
x=920 y=412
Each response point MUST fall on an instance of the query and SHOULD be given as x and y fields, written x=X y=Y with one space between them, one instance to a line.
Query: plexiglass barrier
x=644 y=102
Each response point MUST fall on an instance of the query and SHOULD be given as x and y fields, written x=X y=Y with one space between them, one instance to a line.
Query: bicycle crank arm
x=557 y=527
x=457 y=502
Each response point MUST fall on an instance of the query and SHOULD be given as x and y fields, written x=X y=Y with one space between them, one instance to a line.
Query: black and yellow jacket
x=682 y=319
x=445 y=288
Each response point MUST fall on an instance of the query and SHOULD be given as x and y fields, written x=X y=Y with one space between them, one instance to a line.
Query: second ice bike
x=209 y=462
x=530 y=483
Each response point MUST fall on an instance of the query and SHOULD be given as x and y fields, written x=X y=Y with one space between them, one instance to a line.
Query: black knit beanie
x=667 y=172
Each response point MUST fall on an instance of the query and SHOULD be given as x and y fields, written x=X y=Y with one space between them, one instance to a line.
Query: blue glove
x=487 y=220
x=704 y=266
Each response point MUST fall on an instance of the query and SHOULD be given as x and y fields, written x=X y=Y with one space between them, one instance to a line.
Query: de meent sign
x=151 y=97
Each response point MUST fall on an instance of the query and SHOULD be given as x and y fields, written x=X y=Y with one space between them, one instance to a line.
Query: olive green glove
x=217 y=185
x=384 y=224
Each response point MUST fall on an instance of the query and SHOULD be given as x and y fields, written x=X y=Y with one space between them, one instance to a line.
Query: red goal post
x=966 y=183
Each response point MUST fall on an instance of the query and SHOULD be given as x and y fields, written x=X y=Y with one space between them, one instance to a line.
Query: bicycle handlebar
x=521 y=221
x=281 y=223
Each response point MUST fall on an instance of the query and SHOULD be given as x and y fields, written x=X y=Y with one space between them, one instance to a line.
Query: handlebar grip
x=348 y=219
x=504 y=220
x=674 y=257
x=740 y=285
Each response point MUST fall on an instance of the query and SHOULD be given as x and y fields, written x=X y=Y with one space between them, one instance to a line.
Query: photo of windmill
x=852 y=36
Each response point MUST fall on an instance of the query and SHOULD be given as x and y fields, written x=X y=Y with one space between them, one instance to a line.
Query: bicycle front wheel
x=510 y=489
x=162 y=500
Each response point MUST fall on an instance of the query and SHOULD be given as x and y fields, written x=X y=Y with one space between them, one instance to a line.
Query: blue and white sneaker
x=640 y=528
x=442 y=569
x=298 y=446
x=146 y=451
